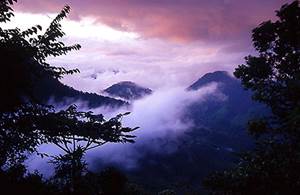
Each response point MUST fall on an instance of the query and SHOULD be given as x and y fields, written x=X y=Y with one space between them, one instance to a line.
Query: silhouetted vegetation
x=52 y=89
x=26 y=122
x=273 y=167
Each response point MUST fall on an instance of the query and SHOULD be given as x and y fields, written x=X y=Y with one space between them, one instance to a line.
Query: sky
x=155 y=43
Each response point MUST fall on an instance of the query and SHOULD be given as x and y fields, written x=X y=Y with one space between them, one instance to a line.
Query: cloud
x=155 y=43
x=161 y=44
x=152 y=63
x=177 y=20
x=161 y=122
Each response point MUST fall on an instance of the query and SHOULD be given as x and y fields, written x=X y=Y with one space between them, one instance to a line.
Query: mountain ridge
x=52 y=89
x=127 y=90
x=219 y=131
x=217 y=76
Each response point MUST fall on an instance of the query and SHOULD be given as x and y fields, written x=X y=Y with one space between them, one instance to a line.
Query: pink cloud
x=179 y=40
x=179 y=20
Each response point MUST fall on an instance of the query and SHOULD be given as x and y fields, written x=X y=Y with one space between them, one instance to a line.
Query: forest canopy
x=273 y=166
x=270 y=165
x=26 y=123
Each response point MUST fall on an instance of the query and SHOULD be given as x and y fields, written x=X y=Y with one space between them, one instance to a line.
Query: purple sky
x=155 y=43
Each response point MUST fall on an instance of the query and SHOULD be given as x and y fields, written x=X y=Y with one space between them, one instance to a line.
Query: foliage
x=167 y=192
x=274 y=77
x=6 y=12
x=15 y=180
x=112 y=181
x=25 y=123
x=23 y=56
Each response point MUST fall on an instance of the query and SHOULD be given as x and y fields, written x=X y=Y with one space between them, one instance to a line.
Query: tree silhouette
x=25 y=122
x=274 y=76
x=23 y=55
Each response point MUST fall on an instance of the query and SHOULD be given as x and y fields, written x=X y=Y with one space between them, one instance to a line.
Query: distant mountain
x=219 y=131
x=218 y=76
x=50 y=89
x=234 y=111
x=127 y=90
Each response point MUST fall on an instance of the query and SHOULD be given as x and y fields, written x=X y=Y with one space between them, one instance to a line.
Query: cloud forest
x=173 y=97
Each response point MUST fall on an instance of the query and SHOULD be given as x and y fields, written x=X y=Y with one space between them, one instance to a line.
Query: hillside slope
x=49 y=89
x=127 y=90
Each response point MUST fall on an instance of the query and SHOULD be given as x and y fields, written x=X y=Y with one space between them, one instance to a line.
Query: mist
x=160 y=117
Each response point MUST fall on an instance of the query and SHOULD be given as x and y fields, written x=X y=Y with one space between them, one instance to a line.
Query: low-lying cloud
x=160 y=117
x=161 y=122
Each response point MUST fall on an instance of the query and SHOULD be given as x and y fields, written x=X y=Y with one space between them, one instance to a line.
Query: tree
x=25 y=123
x=23 y=62
x=23 y=56
x=274 y=77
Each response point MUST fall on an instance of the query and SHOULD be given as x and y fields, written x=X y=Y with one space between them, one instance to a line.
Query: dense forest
x=269 y=163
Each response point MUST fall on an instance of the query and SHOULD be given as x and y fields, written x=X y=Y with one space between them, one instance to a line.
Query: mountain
x=127 y=90
x=218 y=76
x=233 y=112
x=219 y=130
x=218 y=133
x=50 y=89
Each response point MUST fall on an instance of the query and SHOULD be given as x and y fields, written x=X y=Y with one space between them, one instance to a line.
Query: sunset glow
x=153 y=44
